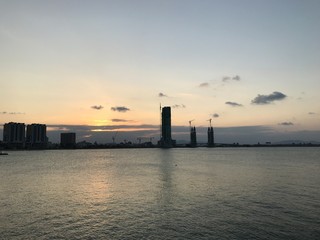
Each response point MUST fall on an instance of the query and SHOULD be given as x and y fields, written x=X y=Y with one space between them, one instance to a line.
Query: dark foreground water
x=245 y=193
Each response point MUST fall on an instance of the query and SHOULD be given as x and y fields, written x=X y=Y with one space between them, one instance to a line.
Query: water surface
x=221 y=193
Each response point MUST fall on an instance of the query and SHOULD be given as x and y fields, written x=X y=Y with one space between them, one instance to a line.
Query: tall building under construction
x=193 y=137
x=210 y=137
x=166 y=140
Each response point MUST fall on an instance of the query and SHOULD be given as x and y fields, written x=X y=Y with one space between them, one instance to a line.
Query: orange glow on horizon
x=99 y=123
x=123 y=129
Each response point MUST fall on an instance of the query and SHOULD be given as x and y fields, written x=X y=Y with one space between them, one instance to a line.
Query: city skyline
x=100 y=67
x=181 y=134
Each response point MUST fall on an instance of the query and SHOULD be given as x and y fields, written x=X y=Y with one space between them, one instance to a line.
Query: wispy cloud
x=12 y=113
x=90 y=128
x=236 y=78
x=234 y=104
x=120 y=120
x=312 y=113
x=162 y=95
x=286 y=124
x=228 y=78
x=178 y=106
x=204 y=85
x=120 y=109
x=96 y=107
x=60 y=128
x=267 y=99
x=225 y=79
x=215 y=115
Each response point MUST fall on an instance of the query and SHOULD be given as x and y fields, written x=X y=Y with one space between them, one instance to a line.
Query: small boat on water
x=3 y=153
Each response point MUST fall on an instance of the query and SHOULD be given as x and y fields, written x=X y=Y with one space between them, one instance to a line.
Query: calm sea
x=221 y=193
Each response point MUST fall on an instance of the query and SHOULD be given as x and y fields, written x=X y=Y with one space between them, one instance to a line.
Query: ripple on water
x=155 y=194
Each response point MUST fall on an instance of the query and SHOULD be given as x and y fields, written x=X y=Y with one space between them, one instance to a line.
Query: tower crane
x=190 y=122
x=114 y=137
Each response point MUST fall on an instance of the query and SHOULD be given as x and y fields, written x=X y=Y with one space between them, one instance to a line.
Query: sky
x=101 y=67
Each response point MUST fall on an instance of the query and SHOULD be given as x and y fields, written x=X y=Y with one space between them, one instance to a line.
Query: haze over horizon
x=100 y=67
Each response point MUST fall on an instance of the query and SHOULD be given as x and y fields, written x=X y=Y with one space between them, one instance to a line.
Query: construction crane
x=190 y=122
x=114 y=137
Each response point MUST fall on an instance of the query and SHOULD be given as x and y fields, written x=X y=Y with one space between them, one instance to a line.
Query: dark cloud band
x=286 y=124
x=120 y=120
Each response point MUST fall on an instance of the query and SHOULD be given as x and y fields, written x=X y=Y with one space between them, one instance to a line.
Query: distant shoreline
x=137 y=146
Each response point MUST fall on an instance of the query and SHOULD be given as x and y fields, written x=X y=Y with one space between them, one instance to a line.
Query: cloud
x=120 y=109
x=267 y=99
x=12 y=113
x=312 y=113
x=87 y=136
x=97 y=107
x=241 y=134
x=224 y=79
x=228 y=78
x=104 y=133
x=60 y=128
x=215 y=115
x=90 y=128
x=286 y=124
x=162 y=95
x=234 y=104
x=178 y=106
x=236 y=78
x=203 y=85
x=120 y=120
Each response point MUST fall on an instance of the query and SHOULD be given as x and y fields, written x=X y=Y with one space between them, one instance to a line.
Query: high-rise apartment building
x=36 y=136
x=14 y=135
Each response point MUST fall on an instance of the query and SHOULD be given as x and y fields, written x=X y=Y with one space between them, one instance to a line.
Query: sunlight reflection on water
x=161 y=194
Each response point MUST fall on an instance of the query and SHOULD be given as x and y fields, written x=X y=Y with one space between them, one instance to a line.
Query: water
x=222 y=193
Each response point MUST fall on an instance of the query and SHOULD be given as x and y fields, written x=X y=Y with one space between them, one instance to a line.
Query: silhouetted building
x=193 y=137
x=68 y=140
x=36 y=136
x=84 y=144
x=166 y=140
x=210 y=137
x=14 y=135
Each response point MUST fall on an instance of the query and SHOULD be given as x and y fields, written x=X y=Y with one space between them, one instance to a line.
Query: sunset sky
x=253 y=66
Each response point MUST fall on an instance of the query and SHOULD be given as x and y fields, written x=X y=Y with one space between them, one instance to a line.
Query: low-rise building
x=68 y=140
